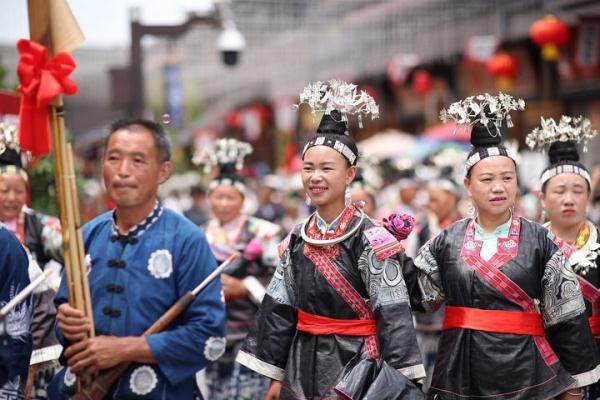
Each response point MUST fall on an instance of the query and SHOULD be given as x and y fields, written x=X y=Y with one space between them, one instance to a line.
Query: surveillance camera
x=230 y=43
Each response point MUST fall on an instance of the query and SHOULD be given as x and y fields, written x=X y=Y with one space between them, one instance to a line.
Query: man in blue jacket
x=142 y=258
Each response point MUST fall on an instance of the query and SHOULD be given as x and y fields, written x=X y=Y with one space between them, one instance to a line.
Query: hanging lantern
x=399 y=67
x=504 y=67
x=422 y=82
x=234 y=119
x=550 y=34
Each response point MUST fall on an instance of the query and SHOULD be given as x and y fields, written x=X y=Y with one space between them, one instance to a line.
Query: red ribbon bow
x=40 y=81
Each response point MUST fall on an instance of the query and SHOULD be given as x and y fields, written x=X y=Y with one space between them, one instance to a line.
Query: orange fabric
x=497 y=321
x=319 y=325
x=595 y=325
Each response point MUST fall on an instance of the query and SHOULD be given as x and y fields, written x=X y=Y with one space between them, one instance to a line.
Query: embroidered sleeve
x=389 y=300
x=428 y=279
x=383 y=278
x=561 y=295
x=566 y=324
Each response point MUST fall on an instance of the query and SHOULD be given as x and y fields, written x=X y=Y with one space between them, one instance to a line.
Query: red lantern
x=234 y=119
x=550 y=33
x=399 y=67
x=504 y=67
x=422 y=82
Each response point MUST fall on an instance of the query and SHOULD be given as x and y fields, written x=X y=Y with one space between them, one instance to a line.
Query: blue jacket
x=133 y=280
x=15 y=335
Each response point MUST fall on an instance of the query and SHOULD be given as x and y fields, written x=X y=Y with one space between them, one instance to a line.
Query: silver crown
x=483 y=108
x=223 y=151
x=577 y=129
x=8 y=137
x=341 y=96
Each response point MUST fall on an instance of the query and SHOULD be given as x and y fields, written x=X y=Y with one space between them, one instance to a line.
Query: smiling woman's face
x=325 y=175
x=13 y=194
x=492 y=186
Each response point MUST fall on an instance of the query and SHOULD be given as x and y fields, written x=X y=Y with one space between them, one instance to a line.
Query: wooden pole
x=78 y=251
x=66 y=190
x=75 y=269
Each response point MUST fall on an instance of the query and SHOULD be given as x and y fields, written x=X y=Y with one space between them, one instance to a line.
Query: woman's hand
x=571 y=394
x=274 y=390
x=233 y=286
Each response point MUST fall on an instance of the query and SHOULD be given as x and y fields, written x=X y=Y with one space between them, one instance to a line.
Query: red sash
x=490 y=272
x=591 y=294
x=497 y=321
x=319 y=325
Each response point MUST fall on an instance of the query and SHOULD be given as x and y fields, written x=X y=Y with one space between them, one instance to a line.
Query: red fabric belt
x=234 y=296
x=595 y=325
x=497 y=321
x=319 y=325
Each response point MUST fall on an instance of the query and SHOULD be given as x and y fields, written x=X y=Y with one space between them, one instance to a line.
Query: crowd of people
x=445 y=281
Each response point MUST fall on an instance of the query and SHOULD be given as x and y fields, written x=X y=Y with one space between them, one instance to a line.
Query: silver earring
x=471 y=209
x=544 y=215
x=347 y=196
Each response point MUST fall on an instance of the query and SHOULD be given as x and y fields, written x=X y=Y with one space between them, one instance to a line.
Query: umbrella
x=448 y=131
x=387 y=144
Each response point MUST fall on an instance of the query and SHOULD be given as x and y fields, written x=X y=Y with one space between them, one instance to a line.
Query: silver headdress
x=341 y=96
x=480 y=113
x=561 y=139
x=483 y=108
x=8 y=137
x=228 y=154
x=12 y=158
x=224 y=151
x=577 y=129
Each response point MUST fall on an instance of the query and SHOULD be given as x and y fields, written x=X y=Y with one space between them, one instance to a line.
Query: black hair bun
x=227 y=170
x=563 y=151
x=446 y=172
x=332 y=124
x=10 y=157
x=485 y=135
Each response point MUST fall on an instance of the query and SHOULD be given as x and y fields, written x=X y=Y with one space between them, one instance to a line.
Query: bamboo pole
x=66 y=190
x=75 y=271
x=60 y=195
x=78 y=254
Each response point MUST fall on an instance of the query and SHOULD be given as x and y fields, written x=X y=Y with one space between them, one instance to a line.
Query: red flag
x=40 y=82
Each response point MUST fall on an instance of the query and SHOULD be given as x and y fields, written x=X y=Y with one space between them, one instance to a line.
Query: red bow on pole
x=40 y=81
